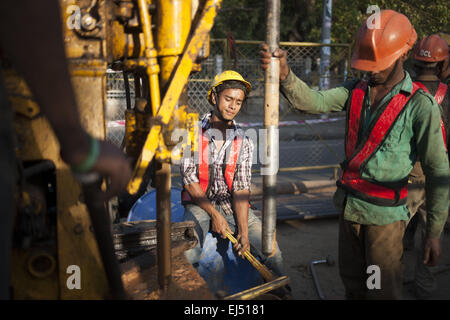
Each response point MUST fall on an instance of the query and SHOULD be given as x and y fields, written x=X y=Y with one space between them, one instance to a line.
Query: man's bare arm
x=219 y=223
x=31 y=38
x=240 y=206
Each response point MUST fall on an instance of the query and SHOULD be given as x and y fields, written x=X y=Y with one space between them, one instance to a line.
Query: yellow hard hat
x=226 y=76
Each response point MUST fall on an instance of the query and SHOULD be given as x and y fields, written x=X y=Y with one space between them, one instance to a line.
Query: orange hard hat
x=431 y=49
x=379 y=46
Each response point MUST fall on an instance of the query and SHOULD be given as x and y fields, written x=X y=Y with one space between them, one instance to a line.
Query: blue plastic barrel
x=220 y=266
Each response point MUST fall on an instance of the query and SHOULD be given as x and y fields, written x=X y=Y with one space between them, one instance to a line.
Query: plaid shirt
x=218 y=192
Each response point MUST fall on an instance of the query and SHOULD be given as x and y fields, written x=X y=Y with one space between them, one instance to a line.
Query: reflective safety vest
x=205 y=169
x=357 y=153
x=439 y=97
x=440 y=93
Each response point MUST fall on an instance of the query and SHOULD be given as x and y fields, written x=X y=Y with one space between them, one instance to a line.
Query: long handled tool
x=102 y=230
x=262 y=269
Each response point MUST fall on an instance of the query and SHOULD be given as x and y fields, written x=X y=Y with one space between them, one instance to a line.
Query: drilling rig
x=158 y=43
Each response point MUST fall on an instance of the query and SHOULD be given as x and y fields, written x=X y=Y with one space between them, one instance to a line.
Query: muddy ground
x=303 y=241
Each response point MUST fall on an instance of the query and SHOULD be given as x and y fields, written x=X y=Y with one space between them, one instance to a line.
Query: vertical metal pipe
x=163 y=224
x=162 y=176
x=325 y=51
x=271 y=115
x=173 y=23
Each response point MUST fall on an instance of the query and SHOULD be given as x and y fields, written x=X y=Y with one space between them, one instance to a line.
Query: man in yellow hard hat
x=391 y=122
x=217 y=189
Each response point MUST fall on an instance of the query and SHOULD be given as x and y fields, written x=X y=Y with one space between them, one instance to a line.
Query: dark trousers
x=361 y=246
x=424 y=281
x=7 y=184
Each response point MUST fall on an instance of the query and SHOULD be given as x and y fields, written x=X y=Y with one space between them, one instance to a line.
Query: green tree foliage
x=245 y=19
x=301 y=20
x=427 y=16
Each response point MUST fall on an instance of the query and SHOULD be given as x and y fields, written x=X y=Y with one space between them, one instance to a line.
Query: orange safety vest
x=357 y=153
x=439 y=97
x=205 y=170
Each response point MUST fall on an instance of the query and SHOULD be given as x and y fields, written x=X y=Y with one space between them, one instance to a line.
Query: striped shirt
x=218 y=193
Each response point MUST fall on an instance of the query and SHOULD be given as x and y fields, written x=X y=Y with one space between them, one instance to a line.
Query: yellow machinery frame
x=98 y=33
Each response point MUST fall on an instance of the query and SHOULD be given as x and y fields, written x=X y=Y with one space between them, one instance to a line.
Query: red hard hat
x=377 y=49
x=431 y=49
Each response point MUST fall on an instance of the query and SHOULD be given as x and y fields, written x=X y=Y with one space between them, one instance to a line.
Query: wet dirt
x=302 y=241
x=141 y=280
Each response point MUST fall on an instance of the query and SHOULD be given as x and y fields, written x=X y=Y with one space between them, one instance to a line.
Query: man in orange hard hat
x=429 y=58
x=390 y=123
x=444 y=73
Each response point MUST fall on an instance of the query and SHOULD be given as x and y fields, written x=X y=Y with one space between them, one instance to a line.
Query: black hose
x=127 y=89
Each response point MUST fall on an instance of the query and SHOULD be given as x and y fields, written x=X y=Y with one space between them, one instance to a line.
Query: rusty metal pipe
x=254 y=293
x=162 y=175
x=163 y=225
x=271 y=117
x=173 y=20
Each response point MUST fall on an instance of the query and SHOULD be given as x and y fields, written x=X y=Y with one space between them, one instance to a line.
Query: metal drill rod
x=172 y=18
x=163 y=225
x=271 y=117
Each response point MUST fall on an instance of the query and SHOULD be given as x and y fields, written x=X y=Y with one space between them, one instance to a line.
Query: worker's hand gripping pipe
x=262 y=269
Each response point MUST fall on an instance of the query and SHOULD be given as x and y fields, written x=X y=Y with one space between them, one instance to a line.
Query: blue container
x=220 y=266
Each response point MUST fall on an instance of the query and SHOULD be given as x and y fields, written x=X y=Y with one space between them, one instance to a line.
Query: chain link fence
x=322 y=135
x=243 y=57
x=116 y=105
